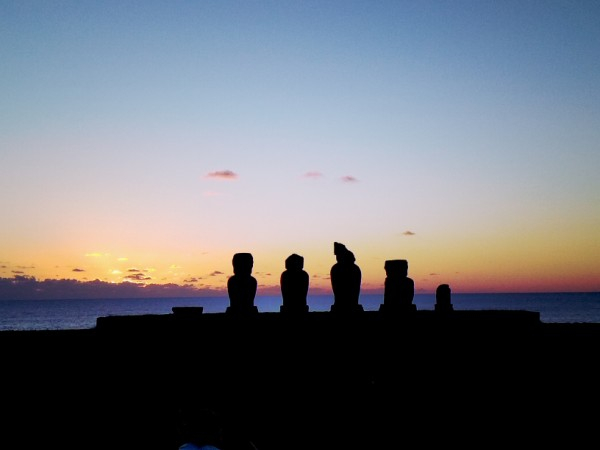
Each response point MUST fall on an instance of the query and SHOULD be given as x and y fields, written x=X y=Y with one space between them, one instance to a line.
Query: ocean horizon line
x=569 y=307
x=271 y=295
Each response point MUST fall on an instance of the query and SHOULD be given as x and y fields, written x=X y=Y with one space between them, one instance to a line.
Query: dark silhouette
x=443 y=295
x=345 y=281
x=318 y=383
x=399 y=290
x=241 y=286
x=294 y=286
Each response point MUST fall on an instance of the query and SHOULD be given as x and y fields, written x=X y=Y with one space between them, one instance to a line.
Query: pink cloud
x=223 y=174
x=313 y=175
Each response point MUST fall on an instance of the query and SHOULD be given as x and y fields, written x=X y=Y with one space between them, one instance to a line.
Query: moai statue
x=294 y=286
x=241 y=286
x=443 y=295
x=345 y=281
x=399 y=289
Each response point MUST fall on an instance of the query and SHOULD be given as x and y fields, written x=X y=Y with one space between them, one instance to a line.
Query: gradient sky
x=148 y=141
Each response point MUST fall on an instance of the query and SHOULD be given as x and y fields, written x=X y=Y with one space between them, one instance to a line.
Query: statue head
x=242 y=263
x=396 y=267
x=294 y=262
x=342 y=253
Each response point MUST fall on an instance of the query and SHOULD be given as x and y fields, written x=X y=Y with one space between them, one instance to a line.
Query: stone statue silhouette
x=443 y=295
x=241 y=286
x=294 y=286
x=399 y=289
x=345 y=281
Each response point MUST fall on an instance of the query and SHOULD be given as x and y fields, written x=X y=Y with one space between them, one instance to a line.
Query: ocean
x=25 y=315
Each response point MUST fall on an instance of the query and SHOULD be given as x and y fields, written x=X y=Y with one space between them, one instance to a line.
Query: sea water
x=82 y=314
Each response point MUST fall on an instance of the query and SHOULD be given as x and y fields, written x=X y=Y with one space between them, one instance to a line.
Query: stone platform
x=317 y=380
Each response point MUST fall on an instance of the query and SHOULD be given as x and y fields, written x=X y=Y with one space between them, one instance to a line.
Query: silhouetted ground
x=368 y=381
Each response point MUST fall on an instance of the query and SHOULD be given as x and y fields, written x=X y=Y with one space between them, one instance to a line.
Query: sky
x=144 y=143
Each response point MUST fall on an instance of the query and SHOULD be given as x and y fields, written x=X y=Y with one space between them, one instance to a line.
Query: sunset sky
x=148 y=141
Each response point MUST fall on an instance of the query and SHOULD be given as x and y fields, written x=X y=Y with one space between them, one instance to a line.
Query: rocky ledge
x=317 y=380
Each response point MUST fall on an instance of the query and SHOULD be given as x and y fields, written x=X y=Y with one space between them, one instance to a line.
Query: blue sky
x=460 y=135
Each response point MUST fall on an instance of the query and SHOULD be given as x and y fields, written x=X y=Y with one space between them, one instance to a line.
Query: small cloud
x=138 y=277
x=313 y=175
x=433 y=274
x=215 y=273
x=408 y=233
x=18 y=272
x=122 y=259
x=78 y=270
x=223 y=174
x=191 y=280
x=349 y=179
x=95 y=255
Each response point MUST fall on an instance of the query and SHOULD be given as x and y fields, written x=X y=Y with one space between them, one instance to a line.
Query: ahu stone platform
x=317 y=380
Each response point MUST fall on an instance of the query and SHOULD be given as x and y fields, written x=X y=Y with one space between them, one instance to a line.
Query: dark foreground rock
x=319 y=381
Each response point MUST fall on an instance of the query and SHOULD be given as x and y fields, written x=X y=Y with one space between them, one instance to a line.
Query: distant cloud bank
x=23 y=287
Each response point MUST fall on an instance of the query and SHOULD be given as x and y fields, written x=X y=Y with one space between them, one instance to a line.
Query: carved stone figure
x=242 y=286
x=399 y=289
x=345 y=281
x=294 y=283
x=443 y=295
